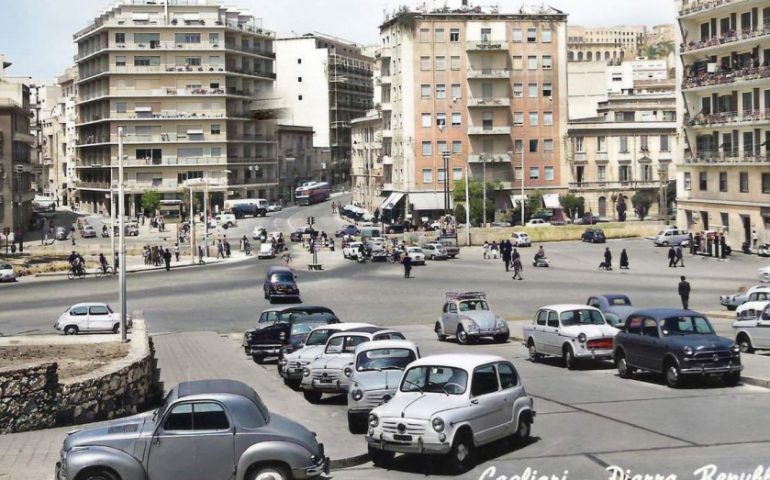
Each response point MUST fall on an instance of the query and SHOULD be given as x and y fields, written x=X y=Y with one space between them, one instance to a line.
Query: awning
x=516 y=199
x=143 y=109
x=195 y=131
x=391 y=201
x=425 y=201
x=551 y=200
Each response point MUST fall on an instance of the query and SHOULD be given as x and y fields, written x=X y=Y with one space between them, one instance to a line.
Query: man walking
x=679 y=256
x=608 y=258
x=176 y=251
x=407 y=261
x=671 y=257
x=506 y=246
x=200 y=255
x=754 y=238
x=684 y=292
x=517 y=268
x=220 y=249
x=167 y=259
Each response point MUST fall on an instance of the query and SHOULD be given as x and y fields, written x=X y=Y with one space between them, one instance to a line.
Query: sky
x=36 y=35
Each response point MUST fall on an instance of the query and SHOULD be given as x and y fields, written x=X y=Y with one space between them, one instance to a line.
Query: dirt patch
x=73 y=360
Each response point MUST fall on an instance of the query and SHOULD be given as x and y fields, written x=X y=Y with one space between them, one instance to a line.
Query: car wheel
x=744 y=342
x=525 y=427
x=440 y=332
x=98 y=474
x=380 y=458
x=732 y=379
x=461 y=455
x=501 y=338
x=462 y=336
x=71 y=330
x=665 y=244
x=533 y=355
x=732 y=308
x=672 y=374
x=116 y=328
x=569 y=358
x=311 y=396
x=624 y=371
x=258 y=359
x=270 y=472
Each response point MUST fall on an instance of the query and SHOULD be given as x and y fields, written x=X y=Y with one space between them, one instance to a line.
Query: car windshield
x=5 y=266
x=414 y=250
x=469 y=305
x=345 y=343
x=319 y=336
x=435 y=379
x=686 y=325
x=283 y=277
x=620 y=301
x=385 y=359
x=301 y=328
x=582 y=317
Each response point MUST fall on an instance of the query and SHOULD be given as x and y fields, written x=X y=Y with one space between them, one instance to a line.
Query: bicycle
x=79 y=273
x=104 y=272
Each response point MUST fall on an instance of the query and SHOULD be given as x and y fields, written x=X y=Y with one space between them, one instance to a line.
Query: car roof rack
x=451 y=296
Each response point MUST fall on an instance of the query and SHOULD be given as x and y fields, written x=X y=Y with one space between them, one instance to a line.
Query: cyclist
x=103 y=263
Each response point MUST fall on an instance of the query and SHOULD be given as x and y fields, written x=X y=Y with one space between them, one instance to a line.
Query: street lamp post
x=122 y=236
x=446 y=157
x=484 y=190
x=522 y=183
x=663 y=177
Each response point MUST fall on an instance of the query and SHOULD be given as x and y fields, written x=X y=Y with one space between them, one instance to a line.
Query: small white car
x=417 y=255
x=435 y=251
x=274 y=207
x=757 y=292
x=7 y=274
x=451 y=405
x=377 y=372
x=764 y=275
x=90 y=317
x=467 y=317
x=258 y=232
x=88 y=232
x=274 y=236
x=226 y=220
x=537 y=222
x=330 y=372
x=752 y=332
x=265 y=250
x=571 y=332
x=521 y=239
x=351 y=250
x=672 y=236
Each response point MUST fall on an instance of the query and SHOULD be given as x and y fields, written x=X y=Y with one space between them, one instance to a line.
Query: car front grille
x=714 y=358
x=409 y=426
x=330 y=375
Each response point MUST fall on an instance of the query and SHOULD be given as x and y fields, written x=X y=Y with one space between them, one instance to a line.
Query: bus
x=246 y=206
x=171 y=210
x=312 y=192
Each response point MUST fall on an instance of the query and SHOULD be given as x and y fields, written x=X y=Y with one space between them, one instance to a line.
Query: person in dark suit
x=684 y=292
x=671 y=257
x=407 y=262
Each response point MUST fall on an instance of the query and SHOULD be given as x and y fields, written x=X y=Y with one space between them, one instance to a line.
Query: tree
x=150 y=202
x=641 y=201
x=476 y=193
x=459 y=213
x=575 y=206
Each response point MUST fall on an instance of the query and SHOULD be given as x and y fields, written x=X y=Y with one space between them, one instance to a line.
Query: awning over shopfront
x=516 y=199
x=391 y=201
x=425 y=201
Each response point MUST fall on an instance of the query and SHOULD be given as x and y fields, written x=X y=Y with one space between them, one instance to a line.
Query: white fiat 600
x=450 y=405
x=753 y=332
x=376 y=374
x=572 y=332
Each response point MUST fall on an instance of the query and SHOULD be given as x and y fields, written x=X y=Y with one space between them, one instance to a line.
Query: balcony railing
x=579 y=157
x=730 y=37
x=255 y=51
x=702 y=5
x=158 y=138
x=158 y=183
x=506 y=130
x=615 y=184
x=489 y=158
x=729 y=158
x=488 y=73
x=166 y=92
x=486 y=45
x=170 y=161
x=250 y=137
x=726 y=118
x=726 y=77
x=86 y=184
x=489 y=102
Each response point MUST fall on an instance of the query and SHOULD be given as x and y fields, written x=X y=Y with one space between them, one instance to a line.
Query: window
x=644 y=143
x=580 y=144
x=457 y=146
x=299 y=97
x=214 y=39
x=518 y=119
x=548 y=174
x=120 y=60
x=427 y=148
x=664 y=143
x=517 y=175
x=532 y=90
x=424 y=91
x=440 y=63
x=532 y=62
x=79 y=311
x=441 y=119
x=766 y=183
x=601 y=173
x=120 y=107
x=547 y=89
x=180 y=418
x=518 y=63
x=427 y=120
x=197 y=416
x=624 y=173
x=722 y=181
x=457 y=119
x=548 y=118
x=541 y=316
x=623 y=144
x=440 y=35
x=518 y=146
x=98 y=310
x=547 y=62
x=546 y=35
x=427 y=175
x=486 y=35
x=531 y=35
x=456 y=91
x=299 y=79
x=424 y=63
x=454 y=63
x=441 y=175
x=454 y=35
x=518 y=90
x=440 y=91
x=533 y=119
x=516 y=35
x=457 y=173
x=744 y=182
x=703 y=181
x=687 y=181
x=601 y=144
x=533 y=146
x=140 y=61
x=548 y=145
x=484 y=381
x=188 y=38
x=120 y=38
x=424 y=35
x=534 y=173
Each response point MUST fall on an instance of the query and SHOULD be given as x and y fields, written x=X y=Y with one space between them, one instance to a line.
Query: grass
x=563 y=233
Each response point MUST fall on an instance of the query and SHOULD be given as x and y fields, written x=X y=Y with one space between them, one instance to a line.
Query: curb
x=757 y=382
x=129 y=270
x=350 y=461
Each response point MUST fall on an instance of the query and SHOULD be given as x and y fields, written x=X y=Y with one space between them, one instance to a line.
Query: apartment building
x=180 y=77
x=368 y=160
x=605 y=44
x=480 y=89
x=724 y=182
x=16 y=167
x=298 y=160
x=325 y=82
x=64 y=162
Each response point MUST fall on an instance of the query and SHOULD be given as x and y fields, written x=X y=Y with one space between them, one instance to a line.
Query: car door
x=511 y=389
x=550 y=334
x=487 y=404
x=99 y=318
x=195 y=441
x=650 y=346
x=449 y=318
x=79 y=318
x=630 y=339
x=538 y=330
x=761 y=334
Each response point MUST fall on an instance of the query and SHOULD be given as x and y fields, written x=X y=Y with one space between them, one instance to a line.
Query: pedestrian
x=723 y=244
x=692 y=244
x=220 y=249
x=117 y=262
x=684 y=292
x=167 y=259
x=754 y=238
x=407 y=262
x=623 y=260
x=485 y=250
x=671 y=257
x=515 y=255
x=227 y=248
x=679 y=256
x=607 y=258
x=518 y=267
x=72 y=234
x=200 y=255
x=506 y=254
x=176 y=252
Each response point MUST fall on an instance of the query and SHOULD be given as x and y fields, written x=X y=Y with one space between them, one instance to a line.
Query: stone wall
x=33 y=398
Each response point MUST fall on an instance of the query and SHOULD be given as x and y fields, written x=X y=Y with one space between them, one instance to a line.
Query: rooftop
x=407 y=16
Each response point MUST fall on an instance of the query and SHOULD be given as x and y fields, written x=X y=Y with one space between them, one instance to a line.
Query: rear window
x=620 y=301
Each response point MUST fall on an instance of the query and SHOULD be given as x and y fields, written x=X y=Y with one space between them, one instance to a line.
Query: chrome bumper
x=418 y=446
x=596 y=354
x=704 y=370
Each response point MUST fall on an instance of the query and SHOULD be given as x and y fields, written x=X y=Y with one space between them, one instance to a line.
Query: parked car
x=265 y=251
x=450 y=245
x=379 y=254
x=672 y=236
x=274 y=207
x=752 y=329
x=273 y=329
x=205 y=429
x=347 y=230
x=763 y=250
x=593 y=235
x=397 y=227
x=571 y=332
x=330 y=372
x=88 y=232
x=731 y=302
x=537 y=222
x=351 y=250
x=299 y=332
x=377 y=371
x=435 y=251
x=465 y=402
x=521 y=239
x=416 y=254
x=467 y=317
x=7 y=274
x=61 y=233
x=292 y=363
x=226 y=220
x=88 y=318
x=501 y=224
x=676 y=343
x=616 y=308
x=259 y=233
x=764 y=275
x=280 y=283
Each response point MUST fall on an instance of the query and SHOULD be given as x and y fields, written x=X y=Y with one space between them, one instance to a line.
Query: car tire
x=462 y=337
x=744 y=342
x=501 y=338
x=311 y=396
x=461 y=455
x=524 y=430
x=71 y=330
x=568 y=356
x=439 y=332
x=380 y=458
x=98 y=474
x=257 y=359
x=672 y=374
x=357 y=425
x=534 y=356
x=732 y=379
x=665 y=244
x=270 y=472
x=116 y=328
x=624 y=371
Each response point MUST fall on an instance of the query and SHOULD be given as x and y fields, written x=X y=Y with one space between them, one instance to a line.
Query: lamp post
x=484 y=190
x=122 y=235
x=446 y=157
x=663 y=177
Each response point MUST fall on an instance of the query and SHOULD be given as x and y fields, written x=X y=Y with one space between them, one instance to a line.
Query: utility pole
x=522 y=182
x=484 y=190
x=467 y=208
x=121 y=221
x=446 y=182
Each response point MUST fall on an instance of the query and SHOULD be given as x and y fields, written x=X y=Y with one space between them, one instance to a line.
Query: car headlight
x=687 y=351
x=357 y=395
x=582 y=338
x=283 y=361
x=472 y=326
x=373 y=420
x=735 y=348
x=306 y=372
x=438 y=424
x=347 y=371
x=501 y=324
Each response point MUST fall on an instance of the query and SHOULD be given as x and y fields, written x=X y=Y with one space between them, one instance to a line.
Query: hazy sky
x=36 y=35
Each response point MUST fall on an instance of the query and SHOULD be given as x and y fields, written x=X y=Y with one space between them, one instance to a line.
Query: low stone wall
x=33 y=398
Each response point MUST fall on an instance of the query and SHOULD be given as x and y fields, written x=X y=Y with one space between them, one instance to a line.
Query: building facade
x=298 y=161
x=325 y=82
x=180 y=77
x=368 y=160
x=724 y=184
x=605 y=44
x=483 y=91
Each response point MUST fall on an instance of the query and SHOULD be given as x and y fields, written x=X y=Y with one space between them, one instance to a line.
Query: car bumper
x=385 y=441
x=489 y=333
x=312 y=471
x=284 y=294
x=336 y=386
x=263 y=350
x=594 y=354
x=710 y=370
x=292 y=374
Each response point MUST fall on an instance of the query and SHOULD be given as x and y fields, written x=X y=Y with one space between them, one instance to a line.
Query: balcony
x=713 y=80
x=728 y=40
x=615 y=185
x=489 y=130
x=729 y=158
x=91 y=185
x=158 y=184
x=250 y=50
x=489 y=74
x=696 y=7
x=579 y=157
x=489 y=158
x=487 y=45
x=170 y=161
x=385 y=80
x=157 y=138
x=250 y=137
x=489 y=102
x=164 y=115
x=748 y=117
x=602 y=157
x=164 y=92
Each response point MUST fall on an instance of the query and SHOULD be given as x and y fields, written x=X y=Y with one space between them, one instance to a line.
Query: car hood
x=292 y=431
x=119 y=434
x=288 y=285
x=699 y=342
x=421 y=406
x=485 y=319
x=307 y=353
x=374 y=380
x=591 y=331
x=338 y=361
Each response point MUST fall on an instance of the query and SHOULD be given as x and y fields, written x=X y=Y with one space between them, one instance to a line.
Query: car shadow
x=693 y=383
x=582 y=365
x=333 y=400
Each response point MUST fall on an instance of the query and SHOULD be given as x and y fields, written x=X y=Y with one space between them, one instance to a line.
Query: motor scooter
x=541 y=262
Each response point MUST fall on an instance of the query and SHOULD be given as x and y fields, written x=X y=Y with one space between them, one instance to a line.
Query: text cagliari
x=614 y=472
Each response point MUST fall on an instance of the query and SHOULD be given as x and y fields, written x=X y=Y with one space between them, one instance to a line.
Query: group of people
x=158 y=255
x=607 y=263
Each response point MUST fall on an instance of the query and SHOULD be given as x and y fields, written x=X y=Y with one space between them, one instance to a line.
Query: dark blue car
x=677 y=344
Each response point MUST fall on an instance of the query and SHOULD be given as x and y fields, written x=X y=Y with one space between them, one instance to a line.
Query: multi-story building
x=368 y=160
x=16 y=167
x=325 y=82
x=724 y=182
x=605 y=44
x=663 y=33
x=298 y=161
x=64 y=170
x=480 y=89
x=180 y=77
